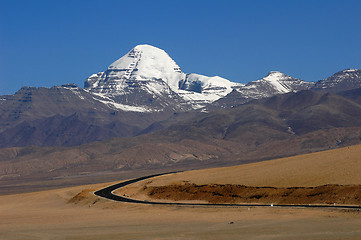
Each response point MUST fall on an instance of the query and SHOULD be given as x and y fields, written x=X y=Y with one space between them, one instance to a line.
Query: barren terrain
x=50 y=215
x=280 y=126
x=334 y=167
x=341 y=166
x=219 y=193
x=76 y=213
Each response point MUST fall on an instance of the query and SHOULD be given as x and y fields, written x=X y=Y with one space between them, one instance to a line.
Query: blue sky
x=47 y=43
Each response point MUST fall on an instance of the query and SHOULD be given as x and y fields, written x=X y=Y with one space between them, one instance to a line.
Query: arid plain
x=75 y=213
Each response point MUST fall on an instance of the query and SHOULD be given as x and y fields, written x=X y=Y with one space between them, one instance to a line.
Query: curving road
x=108 y=194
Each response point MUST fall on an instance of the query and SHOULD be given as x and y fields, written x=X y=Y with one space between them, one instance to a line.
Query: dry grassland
x=340 y=166
x=75 y=213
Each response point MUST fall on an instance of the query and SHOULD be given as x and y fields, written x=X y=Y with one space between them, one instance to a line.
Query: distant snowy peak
x=274 y=83
x=277 y=80
x=142 y=63
x=147 y=62
x=147 y=79
x=340 y=81
x=149 y=76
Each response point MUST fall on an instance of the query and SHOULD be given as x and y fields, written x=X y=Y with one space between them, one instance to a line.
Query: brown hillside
x=340 y=166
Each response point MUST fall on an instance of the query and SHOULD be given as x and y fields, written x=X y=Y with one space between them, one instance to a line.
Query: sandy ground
x=340 y=166
x=49 y=215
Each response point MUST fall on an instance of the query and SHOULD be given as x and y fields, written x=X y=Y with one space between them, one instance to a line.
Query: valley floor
x=76 y=213
x=50 y=215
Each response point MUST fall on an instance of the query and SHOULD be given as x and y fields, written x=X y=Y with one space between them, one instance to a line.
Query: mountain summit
x=148 y=78
x=344 y=80
x=274 y=83
x=141 y=92
x=142 y=63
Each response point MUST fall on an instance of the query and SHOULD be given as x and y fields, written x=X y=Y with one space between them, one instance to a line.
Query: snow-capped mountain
x=143 y=91
x=274 y=83
x=340 y=81
x=148 y=79
x=142 y=80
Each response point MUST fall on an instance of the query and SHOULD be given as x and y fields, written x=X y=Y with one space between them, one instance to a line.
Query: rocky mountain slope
x=274 y=83
x=147 y=79
x=68 y=116
x=281 y=125
x=141 y=92
x=341 y=81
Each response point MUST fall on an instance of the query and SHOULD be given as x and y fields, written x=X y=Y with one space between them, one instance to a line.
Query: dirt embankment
x=218 y=193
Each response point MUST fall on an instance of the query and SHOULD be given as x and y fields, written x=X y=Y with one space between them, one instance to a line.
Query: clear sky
x=50 y=42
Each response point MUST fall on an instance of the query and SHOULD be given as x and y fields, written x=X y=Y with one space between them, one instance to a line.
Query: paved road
x=107 y=193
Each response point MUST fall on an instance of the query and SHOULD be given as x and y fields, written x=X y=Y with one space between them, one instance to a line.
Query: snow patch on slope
x=350 y=70
x=126 y=108
x=119 y=106
x=275 y=78
x=274 y=83
x=201 y=89
x=344 y=80
x=77 y=91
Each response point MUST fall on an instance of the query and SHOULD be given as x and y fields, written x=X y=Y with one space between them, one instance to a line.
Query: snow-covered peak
x=147 y=75
x=146 y=62
x=344 y=80
x=276 y=79
x=147 y=53
x=274 y=83
x=275 y=75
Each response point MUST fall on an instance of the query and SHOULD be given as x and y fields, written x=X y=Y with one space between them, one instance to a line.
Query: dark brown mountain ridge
x=69 y=116
x=278 y=126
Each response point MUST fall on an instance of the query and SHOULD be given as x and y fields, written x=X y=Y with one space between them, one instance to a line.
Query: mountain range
x=282 y=125
x=144 y=113
x=143 y=91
